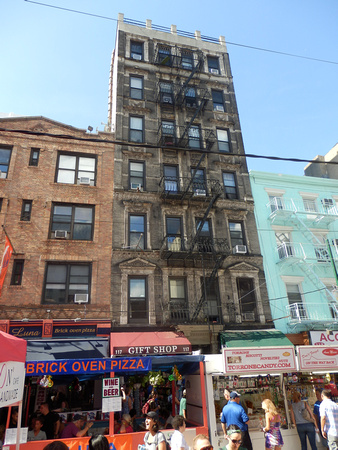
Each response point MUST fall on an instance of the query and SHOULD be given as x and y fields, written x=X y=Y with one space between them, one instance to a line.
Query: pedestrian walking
x=177 y=441
x=329 y=419
x=234 y=414
x=273 y=435
x=304 y=420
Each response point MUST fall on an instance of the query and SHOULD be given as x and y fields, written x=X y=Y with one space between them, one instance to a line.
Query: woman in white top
x=177 y=441
x=153 y=439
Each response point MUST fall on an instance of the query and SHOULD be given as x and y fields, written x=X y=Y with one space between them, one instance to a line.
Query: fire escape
x=199 y=250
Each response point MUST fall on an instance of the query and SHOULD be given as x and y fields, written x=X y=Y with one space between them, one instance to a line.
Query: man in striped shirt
x=328 y=411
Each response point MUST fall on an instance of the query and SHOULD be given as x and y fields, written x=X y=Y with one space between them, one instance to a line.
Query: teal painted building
x=297 y=224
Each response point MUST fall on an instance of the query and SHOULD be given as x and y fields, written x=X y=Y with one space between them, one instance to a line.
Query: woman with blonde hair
x=273 y=436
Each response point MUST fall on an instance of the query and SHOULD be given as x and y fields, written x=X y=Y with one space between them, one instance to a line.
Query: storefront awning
x=148 y=343
x=259 y=338
x=46 y=350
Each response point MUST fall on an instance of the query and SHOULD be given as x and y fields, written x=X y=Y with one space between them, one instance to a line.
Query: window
x=137 y=234
x=204 y=238
x=247 y=299
x=171 y=181
x=17 y=272
x=72 y=222
x=236 y=233
x=211 y=306
x=229 y=182
x=26 y=210
x=319 y=241
x=136 y=50
x=135 y=129
x=177 y=299
x=296 y=307
x=213 y=64
x=284 y=244
x=168 y=132
x=190 y=97
x=276 y=203
x=5 y=156
x=76 y=169
x=223 y=141
x=136 y=175
x=199 y=184
x=1 y=202
x=136 y=87
x=166 y=93
x=63 y=281
x=217 y=100
x=34 y=157
x=164 y=55
x=310 y=204
x=187 y=60
x=174 y=233
x=137 y=295
x=194 y=134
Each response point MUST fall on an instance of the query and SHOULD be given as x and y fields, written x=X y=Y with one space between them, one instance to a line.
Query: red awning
x=149 y=343
x=12 y=348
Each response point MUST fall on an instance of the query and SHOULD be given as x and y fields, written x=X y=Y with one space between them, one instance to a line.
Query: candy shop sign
x=313 y=357
x=259 y=360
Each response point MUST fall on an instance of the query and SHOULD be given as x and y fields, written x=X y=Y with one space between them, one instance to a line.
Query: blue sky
x=56 y=64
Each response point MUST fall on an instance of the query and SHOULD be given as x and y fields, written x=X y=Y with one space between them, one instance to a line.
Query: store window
x=217 y=100
x=76 y=169
x=230 y=188
x=246 y=299
x=5 y=157
x=34 y=157
x=178 y=304
x=137 y=299
x=137 y=231
x=194 y=135
x=136 y=129
x=174 y=233
x=213 y=65
x=17 y=272
x=72 y=222
x=136 y=87
x=210 y=291
x=26 y=210
x=136 y=50
x=136 y=175
x=65 y=281
x=223 y=141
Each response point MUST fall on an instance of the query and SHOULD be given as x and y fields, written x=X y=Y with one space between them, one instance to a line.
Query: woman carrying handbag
x=304 y=420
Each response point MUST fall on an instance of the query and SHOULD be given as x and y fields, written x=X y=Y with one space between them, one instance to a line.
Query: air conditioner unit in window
x=167 y=99
x=214 y=71
x=136 y=186
x=84 y=180
x=200 y=192
x=327 y=202
x=136 y=56
x=239 y=249
x=219 y=108
x=3 y=174
x=248 y=317
x=61 y=234
x=81 y=298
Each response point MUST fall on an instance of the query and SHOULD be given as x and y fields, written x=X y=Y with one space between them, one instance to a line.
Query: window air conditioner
x=61 y=234
x=248 y=317
x=327 y=202
x=3 y=174
x=219 y=108
x=200 y=192
x=84 y=180
x=136 y=186
x=239 y=249
x=136 y=56
x=81 y=298
x=214 y=71
x=167 y=99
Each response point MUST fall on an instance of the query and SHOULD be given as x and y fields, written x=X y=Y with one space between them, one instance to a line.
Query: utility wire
x=144 y=145
x=187 y=33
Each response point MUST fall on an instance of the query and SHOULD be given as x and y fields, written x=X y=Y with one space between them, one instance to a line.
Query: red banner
x=5 y=261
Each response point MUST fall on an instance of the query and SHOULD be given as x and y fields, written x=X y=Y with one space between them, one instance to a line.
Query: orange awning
x=149 y=343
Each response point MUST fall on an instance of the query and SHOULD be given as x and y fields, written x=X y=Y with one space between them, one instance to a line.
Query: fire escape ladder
x=186 y=129
x=300 y=224
x=308 y=270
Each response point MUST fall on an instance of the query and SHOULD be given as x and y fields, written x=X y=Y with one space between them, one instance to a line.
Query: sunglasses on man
x=236 y=441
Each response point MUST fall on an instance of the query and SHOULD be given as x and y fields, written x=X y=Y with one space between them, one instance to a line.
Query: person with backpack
x=154 y=439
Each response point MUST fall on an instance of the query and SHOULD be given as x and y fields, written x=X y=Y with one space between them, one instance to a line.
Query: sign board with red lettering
x=256 y=360
x=111 y=400
x=315 y=357
x=324 y=338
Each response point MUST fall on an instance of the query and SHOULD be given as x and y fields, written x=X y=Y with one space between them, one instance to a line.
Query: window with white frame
x=136 y=129
x=136 y=50
x=296 y=307
x=310 y=204
x=5 y=157
x=223 y=140
x=137 y=231
x=194 y=135
x=217 y=100
x=178 y=305
x=276 y=202
x=136 y=175
x=72 y=222
x=136 y=87
x=137 y=299
x=213 y=65
x=230 y=188
x=285 y=247
x=76 y=169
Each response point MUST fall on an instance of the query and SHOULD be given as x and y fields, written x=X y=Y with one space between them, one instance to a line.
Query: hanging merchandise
x=46 y=381
x=175 y=375
x=156 y=378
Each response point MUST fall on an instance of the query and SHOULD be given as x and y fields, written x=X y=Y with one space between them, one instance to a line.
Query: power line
x=188 y=34
x=144 y=145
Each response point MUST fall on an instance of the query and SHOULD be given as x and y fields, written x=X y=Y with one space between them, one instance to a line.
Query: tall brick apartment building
x=185 y=245
x=56 y=194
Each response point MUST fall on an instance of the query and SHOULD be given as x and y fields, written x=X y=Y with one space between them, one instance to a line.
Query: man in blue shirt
x=234 y=414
